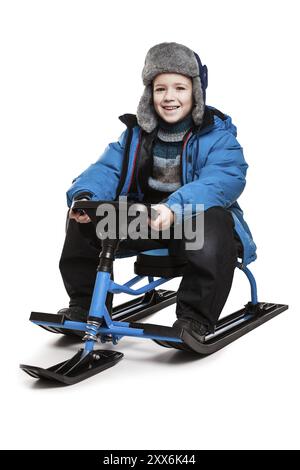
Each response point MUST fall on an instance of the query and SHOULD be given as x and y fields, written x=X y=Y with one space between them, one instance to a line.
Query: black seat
x=158 y=263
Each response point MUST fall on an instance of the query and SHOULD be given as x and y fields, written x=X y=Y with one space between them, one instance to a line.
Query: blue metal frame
x=252 y=282
x=115 y=330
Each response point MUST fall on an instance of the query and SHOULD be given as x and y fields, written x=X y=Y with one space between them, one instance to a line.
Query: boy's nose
x=167 y=101
x=169 y=96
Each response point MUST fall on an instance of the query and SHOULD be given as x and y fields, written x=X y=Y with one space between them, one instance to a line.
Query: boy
x=176 y=151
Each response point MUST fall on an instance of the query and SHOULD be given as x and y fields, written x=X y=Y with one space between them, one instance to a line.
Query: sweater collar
x=178 y=127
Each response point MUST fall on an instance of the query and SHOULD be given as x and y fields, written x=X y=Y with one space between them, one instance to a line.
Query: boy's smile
x=172 y=96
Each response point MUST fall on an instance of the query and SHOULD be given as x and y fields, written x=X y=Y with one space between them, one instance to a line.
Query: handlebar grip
x=78 y=211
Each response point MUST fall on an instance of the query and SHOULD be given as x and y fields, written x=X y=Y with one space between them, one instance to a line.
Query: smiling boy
x=176 y=151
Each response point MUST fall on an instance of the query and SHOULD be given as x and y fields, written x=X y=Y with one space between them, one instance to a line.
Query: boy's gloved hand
x=80 y=216
x=164 y=219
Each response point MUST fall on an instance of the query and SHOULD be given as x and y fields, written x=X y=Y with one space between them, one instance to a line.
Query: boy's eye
x=177 y=88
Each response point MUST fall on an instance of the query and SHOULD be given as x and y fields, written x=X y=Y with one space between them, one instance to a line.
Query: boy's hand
x=164 y=219
x=80 y=218
x=79 y=215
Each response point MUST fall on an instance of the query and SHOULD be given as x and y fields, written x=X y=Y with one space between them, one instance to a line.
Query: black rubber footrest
x=155 y=330
x=134 y=309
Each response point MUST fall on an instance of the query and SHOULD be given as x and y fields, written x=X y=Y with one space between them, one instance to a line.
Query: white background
x=68 y=70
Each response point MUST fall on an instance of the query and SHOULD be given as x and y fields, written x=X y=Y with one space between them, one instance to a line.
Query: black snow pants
x=208 y=273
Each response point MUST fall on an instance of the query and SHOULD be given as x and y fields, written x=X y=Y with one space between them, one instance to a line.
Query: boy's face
x=172 y=96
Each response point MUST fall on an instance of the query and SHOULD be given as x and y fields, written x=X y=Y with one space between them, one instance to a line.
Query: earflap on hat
x=146 y=114
x=199 y=102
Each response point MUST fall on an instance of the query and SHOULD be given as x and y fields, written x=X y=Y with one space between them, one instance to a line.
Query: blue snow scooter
x=104 y=326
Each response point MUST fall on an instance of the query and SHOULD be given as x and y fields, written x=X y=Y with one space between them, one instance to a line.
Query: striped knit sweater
x=166 y=171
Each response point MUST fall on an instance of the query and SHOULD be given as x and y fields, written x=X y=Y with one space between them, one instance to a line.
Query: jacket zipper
x=134 y=161
x=185 y=141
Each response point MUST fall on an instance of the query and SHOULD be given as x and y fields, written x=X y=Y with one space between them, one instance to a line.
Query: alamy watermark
x=124 y=219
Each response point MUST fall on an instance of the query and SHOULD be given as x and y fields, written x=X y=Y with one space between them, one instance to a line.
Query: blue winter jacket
x=213 y=171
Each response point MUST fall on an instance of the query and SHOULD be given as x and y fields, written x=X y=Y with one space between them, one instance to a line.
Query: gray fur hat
x=174 y=58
